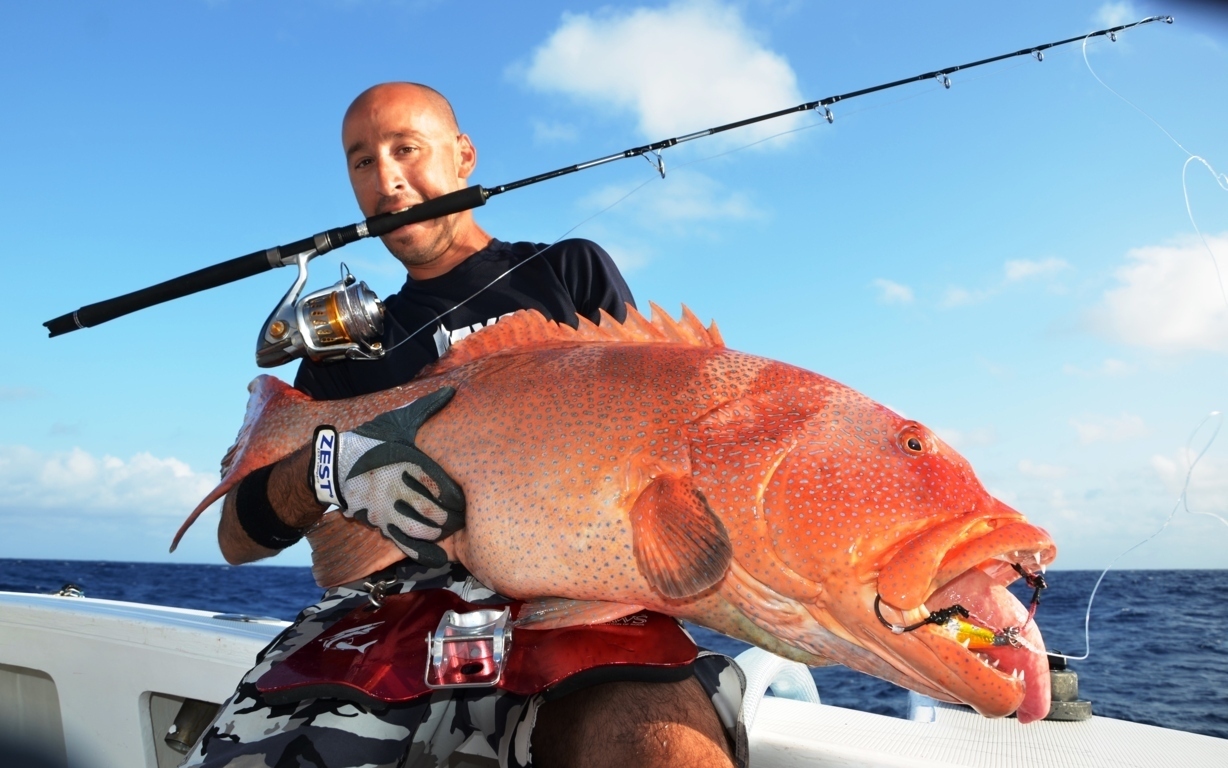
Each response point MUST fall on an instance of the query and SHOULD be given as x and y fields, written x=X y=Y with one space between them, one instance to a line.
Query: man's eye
x=407 y=150
x=362 y=163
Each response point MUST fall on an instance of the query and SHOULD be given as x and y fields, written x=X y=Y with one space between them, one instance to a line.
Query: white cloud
x=553 y=132
x=890 y=292
x=1043 y=471
x=1109 y=367
x=1208 y=491
x=967 y=438
x=962 y=297
x=686 y=198
x=1023 y=269
x=1168 y=298
x=79 y=482
x=8 y=394
x=687 y=66
x=629 y=258
x=1116 y=14
x=1112 y=429
x=1015 y=271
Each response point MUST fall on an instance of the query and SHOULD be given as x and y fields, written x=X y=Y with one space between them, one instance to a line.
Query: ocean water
x=1159 y=639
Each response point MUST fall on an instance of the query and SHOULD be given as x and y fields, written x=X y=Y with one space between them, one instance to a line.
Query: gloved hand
x=377 y=475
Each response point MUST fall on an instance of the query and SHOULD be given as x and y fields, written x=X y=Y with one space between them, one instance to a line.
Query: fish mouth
x=972 y=638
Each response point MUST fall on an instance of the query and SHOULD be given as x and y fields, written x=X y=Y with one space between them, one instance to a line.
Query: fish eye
x=912 y=440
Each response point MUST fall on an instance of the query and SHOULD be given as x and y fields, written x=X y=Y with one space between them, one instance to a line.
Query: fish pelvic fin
x=345 y=550
x=529 y=328
x=680 y=545
x=558 y=612
x=249 y=452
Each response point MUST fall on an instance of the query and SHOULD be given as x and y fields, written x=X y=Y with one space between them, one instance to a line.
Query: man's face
x=402 y=148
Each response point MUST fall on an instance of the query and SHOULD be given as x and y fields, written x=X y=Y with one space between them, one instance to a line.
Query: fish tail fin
x=256 y=445
x=343 y=550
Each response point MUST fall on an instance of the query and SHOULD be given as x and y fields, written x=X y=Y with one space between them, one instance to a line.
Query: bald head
x=403 y=147
x=426 y=97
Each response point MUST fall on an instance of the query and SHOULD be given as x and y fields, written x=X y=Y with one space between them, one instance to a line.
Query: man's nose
x=390 y=178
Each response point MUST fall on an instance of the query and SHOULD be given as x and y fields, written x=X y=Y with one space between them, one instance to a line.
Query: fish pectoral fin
x=680 y=545
x=556 y=612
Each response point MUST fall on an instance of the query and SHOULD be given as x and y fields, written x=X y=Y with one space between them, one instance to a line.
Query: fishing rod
x=344 y=320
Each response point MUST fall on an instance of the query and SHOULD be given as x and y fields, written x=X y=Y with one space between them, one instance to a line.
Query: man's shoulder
x=580 y=257
x=574 y=247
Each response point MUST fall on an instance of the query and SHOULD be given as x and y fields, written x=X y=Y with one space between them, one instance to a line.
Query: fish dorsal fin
x=529 y=328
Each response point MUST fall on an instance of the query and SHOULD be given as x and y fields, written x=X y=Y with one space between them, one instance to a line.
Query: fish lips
x=995 y=681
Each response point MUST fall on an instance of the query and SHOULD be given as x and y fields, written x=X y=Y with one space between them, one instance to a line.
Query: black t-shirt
x=570 y=277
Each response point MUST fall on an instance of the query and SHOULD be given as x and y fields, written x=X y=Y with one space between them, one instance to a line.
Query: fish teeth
x=1037 y=556
x=916 y=614
x=967 y=641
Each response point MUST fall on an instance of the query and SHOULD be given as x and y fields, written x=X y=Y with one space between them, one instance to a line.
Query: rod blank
x=466 y=199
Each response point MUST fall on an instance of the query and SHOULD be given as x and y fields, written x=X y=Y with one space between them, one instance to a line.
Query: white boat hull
x=99 y=682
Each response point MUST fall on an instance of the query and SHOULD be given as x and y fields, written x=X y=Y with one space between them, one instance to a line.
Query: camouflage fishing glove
x=377 y=475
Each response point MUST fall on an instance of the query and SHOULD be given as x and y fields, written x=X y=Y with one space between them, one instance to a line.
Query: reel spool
x=339 y=322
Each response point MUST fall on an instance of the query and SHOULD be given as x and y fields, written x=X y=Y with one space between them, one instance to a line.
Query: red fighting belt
x=375 y=655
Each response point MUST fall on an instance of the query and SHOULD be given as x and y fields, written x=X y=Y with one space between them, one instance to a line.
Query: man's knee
x=631 y=724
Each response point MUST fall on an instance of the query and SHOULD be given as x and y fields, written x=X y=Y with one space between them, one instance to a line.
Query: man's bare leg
x=629 y=725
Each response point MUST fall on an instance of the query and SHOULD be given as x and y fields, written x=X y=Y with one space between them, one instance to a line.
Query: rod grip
x=444 y=205
x=200 y=280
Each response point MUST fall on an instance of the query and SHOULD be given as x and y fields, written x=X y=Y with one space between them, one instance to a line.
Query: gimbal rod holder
x=262 y=261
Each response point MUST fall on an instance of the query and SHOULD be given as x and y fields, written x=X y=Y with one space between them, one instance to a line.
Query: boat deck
x=789 y=733
x=99 y=682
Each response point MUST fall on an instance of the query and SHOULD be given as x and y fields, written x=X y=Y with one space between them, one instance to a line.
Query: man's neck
x=469 y=240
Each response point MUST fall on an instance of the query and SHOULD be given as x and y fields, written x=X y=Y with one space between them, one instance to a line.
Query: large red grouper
x=644 y=465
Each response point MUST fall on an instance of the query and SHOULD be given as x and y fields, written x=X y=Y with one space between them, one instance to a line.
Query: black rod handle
x=262 y=261
x=444 y=205
x=200 y=280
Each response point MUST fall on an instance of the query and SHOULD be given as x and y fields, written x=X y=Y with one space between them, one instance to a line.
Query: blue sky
x=1009 y=261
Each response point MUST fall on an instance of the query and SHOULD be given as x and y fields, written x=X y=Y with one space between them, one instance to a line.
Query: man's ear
x=466 y=156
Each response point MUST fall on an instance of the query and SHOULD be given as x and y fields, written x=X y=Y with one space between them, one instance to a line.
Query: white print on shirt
x=444 y=339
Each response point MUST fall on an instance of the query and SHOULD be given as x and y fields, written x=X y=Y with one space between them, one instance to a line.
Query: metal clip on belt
x=468 y=650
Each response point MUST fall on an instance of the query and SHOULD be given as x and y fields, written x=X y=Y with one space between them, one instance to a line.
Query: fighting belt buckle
x=468 y=650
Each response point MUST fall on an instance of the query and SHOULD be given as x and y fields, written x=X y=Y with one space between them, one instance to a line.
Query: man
x=402 y=147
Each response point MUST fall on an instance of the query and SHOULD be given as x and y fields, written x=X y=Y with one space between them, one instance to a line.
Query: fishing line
x=301 y=251
x=827 y=119
x=1220 y=178
x=514 y=267
x=1216 y=416
x=1182 y=501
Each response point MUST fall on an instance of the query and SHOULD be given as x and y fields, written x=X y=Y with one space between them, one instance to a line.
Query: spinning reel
x=341 y=321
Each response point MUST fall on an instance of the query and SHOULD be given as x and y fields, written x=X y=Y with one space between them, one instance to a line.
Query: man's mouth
x=391 y=205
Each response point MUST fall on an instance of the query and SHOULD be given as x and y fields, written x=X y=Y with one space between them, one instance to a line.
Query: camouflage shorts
x=465 y=727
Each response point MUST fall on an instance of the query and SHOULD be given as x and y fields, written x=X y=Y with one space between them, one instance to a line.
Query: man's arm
x=292 y=499
x=592 y=279
x=374 y=473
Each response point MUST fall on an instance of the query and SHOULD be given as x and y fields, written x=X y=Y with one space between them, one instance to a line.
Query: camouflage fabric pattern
x=475 y=728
